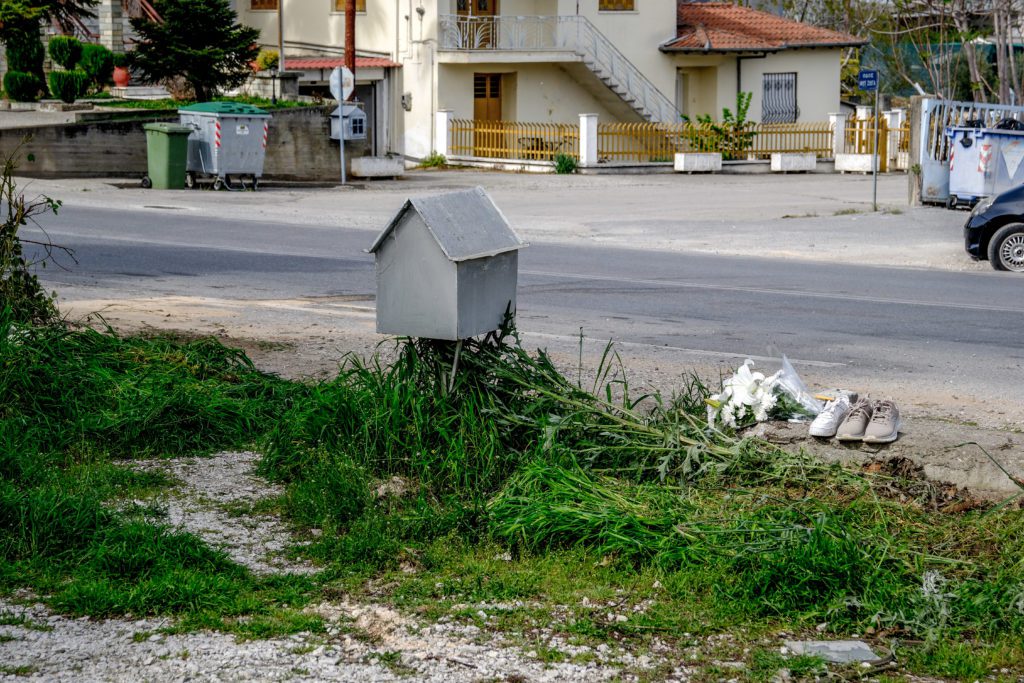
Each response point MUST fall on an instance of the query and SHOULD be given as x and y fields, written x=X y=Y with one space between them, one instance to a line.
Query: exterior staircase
x=574 y=34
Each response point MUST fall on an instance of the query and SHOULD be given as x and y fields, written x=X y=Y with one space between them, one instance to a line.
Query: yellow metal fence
x=893 y=143
x=651 y=142
x=514 y=140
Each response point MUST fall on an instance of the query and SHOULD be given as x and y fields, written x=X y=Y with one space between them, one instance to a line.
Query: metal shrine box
x=446 y=267
x=353 y=118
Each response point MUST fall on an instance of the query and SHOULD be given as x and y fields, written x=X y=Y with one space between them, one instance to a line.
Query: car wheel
x=1006 y=248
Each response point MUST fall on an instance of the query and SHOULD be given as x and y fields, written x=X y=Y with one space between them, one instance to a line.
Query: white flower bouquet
x=748 y=397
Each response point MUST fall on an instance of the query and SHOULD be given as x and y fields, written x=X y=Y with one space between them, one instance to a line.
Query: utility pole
x=350 y=37
x=280 y=37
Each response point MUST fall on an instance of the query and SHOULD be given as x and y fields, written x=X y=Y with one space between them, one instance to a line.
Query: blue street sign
x=867 y=79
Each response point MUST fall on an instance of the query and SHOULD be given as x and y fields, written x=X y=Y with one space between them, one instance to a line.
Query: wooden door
x=476 y=17
x=488 y=140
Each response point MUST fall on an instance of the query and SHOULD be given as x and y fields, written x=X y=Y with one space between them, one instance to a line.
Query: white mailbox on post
x=447 y=267
x=348 y=118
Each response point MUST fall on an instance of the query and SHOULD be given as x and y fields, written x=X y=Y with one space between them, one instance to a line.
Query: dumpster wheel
x=190 y=180
x=253 y=185
x=146 y=182
x=218 y=183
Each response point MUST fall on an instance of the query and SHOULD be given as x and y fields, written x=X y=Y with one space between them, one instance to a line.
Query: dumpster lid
x=169 y=128
x=229 y=108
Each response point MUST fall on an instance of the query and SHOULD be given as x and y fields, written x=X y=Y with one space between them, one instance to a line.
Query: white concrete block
x=377 y=167
x=794 y=161
x=698 y=162
x=854 y=163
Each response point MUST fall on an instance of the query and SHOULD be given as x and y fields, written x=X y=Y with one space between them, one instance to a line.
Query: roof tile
x=724 y=27
x=331 y=62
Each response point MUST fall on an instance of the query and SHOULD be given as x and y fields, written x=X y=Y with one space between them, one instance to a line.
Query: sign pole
x=342 y=84
x=341 y=145
x=874 y=167
x=867 y=80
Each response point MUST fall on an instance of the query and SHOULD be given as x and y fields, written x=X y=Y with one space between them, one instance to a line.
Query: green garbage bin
x=167 y=152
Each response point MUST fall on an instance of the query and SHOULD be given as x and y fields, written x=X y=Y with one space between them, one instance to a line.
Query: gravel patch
x=199 y=505
x=388 y=647
x=361 y=642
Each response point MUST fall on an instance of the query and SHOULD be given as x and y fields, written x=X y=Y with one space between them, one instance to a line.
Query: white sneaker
x=831 y=416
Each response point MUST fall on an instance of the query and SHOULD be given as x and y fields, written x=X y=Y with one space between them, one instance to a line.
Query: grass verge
x=586 y=512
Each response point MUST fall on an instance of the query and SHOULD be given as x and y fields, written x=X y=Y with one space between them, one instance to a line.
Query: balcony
x=506 y=33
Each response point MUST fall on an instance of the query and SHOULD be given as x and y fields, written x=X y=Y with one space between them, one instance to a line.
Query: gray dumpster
x=229 y=143
x=982 y=163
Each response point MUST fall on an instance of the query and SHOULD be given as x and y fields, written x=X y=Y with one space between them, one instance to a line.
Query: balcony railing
x=570 y=33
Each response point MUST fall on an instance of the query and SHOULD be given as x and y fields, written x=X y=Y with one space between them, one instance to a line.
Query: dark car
x=995 y=230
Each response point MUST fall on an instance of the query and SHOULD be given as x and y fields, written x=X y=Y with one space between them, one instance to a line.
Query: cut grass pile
x=588 y=490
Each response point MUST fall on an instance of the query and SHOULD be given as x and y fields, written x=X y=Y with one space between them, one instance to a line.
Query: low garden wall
x=298 y=146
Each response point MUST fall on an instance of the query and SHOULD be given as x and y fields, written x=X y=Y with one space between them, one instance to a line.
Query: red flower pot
x=121 y=77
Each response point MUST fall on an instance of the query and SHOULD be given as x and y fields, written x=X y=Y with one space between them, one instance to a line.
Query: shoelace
x=860 y=408
x=833 y=407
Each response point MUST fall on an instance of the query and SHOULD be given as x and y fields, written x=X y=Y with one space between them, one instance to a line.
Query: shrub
x=25 y=51
x=267 y=59
x=66 y=51
x=120 y=59
x=434 y=160
x=68 y=85
x=565 y=164
x=22 y=298
x=21 y=86
x=98 y=63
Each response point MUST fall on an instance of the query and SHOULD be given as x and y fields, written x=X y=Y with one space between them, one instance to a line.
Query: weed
x=846 y=212
x=23 y=670
x=434 y=160
x=565 y=164
x=20 y=291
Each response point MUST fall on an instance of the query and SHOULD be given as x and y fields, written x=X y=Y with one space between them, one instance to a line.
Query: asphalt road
x=888 y=328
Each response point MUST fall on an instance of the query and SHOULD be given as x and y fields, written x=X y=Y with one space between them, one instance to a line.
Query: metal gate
x=936 y=115
x=778 y=99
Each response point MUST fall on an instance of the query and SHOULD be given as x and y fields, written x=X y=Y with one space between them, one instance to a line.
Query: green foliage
x=565 y=163
x=23 y=297
x=98 y=64
x=69 y=85
x=21 y=86
x=66 y=51
x=120 y=59
x=267 y=60
x=434 y=160
x=733 y=136
x=24 y=48
x=200 y=41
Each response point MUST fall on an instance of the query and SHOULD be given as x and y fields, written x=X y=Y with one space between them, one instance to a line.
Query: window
x=339 y=5
x=778 y=101
x=616 y=5
x=262 y=4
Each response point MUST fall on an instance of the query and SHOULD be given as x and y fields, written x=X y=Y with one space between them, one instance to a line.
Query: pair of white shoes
x=849 y=419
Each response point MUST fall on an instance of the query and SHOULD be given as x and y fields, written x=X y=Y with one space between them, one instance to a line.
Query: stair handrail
x=141 y=8
x=72 y=24
x=592 y=44
x=574 y=33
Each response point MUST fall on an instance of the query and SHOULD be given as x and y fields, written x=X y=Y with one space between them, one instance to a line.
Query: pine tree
x=200 y=41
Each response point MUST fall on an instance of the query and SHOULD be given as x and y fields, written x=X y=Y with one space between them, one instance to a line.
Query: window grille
x=778 y=103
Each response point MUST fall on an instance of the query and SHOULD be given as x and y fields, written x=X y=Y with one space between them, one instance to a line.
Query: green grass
x=172 y=104
x=609 y=517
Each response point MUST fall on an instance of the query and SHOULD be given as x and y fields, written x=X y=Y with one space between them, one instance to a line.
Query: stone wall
x=299 y=147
